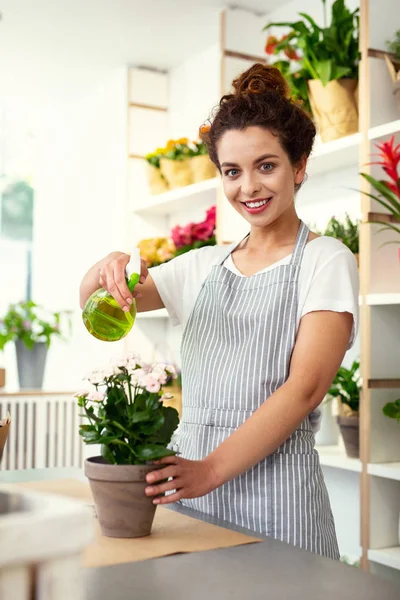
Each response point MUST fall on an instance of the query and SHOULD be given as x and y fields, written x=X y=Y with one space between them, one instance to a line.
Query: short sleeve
x=335 y=287
x=169 y=280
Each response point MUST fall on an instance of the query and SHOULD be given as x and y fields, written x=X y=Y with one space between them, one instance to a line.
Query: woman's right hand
x=112 y=277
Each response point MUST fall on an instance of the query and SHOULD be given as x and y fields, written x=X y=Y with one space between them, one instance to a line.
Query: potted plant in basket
x=175 y=163
x=345 y=231
x=127 y=418
x=157 y=182
x=393 y=65
x=32 y=328
x=200 y=163
x=392 y=410
x=387 y=191
x=346 y=387
x=328 y=62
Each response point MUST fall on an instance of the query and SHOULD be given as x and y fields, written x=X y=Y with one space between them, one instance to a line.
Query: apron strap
x=301 y=241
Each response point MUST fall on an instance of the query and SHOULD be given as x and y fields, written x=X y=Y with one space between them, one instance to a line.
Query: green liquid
x=104 y=318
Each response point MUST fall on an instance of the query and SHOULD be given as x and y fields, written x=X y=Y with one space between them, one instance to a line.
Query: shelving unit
x=334 y=456
x=333 y=169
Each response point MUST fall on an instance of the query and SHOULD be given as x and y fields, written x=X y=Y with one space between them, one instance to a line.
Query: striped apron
x=236 y=352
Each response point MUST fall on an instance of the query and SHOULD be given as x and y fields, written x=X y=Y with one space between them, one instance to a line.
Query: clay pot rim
x=97 y=468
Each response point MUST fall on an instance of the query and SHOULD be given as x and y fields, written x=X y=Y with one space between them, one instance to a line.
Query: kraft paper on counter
x=172 y=532
x=4 y=427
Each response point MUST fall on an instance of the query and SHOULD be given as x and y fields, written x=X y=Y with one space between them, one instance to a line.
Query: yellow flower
x=182 y=141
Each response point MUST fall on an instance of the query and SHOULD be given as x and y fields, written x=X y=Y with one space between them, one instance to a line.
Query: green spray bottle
x=103 y=317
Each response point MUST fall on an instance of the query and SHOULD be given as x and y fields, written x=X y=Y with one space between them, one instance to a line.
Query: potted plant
x=157 y=182
x=200 y=163
x=175 y=163
x=392 y=410
x=31 y=327
x=345 y=231
x=346 y=387
x=329 y=58
x=393 y=65
x=156 y=251
x=195 y=235
x=127 y=418
x=387 y=191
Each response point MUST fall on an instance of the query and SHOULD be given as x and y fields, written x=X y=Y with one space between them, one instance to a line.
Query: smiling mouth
x=256 y=203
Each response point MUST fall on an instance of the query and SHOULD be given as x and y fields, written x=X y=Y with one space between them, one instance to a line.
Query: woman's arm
x=322 y=341
x=109 y=273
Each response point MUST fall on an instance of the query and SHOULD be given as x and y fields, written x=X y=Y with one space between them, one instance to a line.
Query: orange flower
x=182 y=141
x=205 y=128
x=271 y=44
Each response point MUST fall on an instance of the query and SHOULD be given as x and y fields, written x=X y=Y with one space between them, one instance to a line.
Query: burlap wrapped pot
x=177 y=172
x=157 y=183
x=335 y=107
x=202 y=168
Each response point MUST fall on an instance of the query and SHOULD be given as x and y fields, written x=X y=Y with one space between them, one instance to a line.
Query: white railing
x=44 y=430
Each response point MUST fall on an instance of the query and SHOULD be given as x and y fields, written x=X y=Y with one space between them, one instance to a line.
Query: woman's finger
x=120 y=280
x=113 y=289
x=170 y=499
x=162 y=474
x=156 y=490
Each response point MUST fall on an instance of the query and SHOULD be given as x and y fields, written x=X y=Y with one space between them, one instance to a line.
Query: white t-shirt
x=328 y=279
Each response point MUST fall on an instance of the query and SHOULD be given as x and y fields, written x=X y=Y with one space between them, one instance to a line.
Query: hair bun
x=259 y=79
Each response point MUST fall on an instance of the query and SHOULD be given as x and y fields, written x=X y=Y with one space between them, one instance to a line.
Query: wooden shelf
x=386 y=129
x=382 y=299
x=388 y=384
x=390 y=557
x=177 y=200
x=387 y=470
x=334 y=155
x=333 y=456
x=153 y=314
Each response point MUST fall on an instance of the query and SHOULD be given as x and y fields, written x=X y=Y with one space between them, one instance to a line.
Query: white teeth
x=256 y=204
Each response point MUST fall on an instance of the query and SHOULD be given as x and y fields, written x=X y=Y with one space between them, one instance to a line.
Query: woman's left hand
x=190 y=479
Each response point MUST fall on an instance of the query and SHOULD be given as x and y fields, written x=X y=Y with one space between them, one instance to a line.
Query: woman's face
x=257 y=175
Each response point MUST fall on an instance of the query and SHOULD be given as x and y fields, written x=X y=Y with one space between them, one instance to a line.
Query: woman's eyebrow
x=263 y=157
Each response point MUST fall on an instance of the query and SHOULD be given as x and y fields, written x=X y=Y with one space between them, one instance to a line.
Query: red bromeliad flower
x=389 y=161
x=271 y=44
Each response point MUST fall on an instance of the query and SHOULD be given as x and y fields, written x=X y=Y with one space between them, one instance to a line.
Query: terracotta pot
x=177 y=172
x=123 y=509
x=157 y=183
x=350 y=430
x=334 y=107
x=202 y=168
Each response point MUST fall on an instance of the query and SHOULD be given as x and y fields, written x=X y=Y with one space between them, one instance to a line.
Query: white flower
x=81 y=394
x=132 y=366
x=108 y=371
x=152 y=385
x=96 y=377
x=171 y=370
x=166 y=397
x=96 y=396
x=161 y=377
x=159 y=367
x=120 y=361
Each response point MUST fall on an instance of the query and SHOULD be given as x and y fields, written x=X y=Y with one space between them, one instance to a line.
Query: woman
x=266 y=325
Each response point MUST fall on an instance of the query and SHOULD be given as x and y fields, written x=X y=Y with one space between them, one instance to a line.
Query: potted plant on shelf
x=346 y=387
x=392 y=410
x=157 y=182
x=200 y=163
x=345 y=231
x=175 y=163
x=32 y=328
x=328 y=62
x=387 y=191
x=393 y=65
x=127 y=418
x=156 y=251
x=195 y=235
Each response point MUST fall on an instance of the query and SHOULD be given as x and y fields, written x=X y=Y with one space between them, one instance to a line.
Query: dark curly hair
x=261 y=98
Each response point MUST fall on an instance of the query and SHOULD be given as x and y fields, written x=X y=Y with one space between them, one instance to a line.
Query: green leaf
x=392 y=410
x=89 y=437
x=148 y=452
x=324 y=71
x=155 y=424
x=387 y=193
x=171 y=421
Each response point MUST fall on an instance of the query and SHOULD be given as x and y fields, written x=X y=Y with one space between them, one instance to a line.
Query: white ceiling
x=158 y=33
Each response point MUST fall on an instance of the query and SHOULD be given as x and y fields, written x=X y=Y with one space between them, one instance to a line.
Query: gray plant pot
x=31 y=364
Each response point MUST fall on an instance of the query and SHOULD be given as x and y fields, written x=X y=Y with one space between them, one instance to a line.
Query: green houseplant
x=387 y=192
x=31 y=328
x=346 y=387
x=392 y=410
x=347 y=231
x=126 y=417
x=328 y=62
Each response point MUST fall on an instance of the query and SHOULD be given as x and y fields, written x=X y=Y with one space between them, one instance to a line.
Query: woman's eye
x=231 y=172
x=266 y=167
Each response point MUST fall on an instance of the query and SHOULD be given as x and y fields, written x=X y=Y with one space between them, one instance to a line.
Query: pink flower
x=182 y=236
x=81 y=394
x=211 y=214
x=95 y=396
x=152 y=385
x=203 y=231
x=27 y=325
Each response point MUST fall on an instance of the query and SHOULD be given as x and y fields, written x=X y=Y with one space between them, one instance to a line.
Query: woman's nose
x=250 y=186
